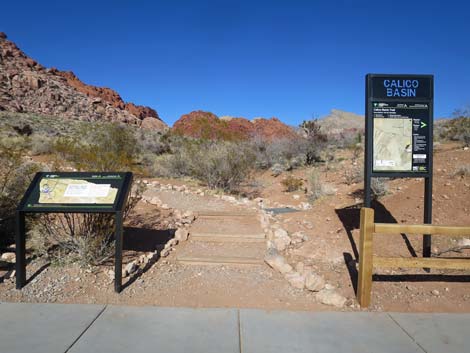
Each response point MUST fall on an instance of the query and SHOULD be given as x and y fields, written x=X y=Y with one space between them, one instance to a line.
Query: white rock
x=281 y=244
x=165 y=206
x=9 y=257
x=277 y=261
x=130 y=268
x=295 y=279
x=296 y=197
x=314 y=282
x=172 y=242
x=281 y=239
x=330 y=297
x=165 y=253
x=181 y=234
x=464 y=242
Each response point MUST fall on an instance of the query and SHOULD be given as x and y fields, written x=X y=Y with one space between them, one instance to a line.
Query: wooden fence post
x=364 y=286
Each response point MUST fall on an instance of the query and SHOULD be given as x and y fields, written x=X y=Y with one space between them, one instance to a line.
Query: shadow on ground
x=144 y=240
x=350 y=217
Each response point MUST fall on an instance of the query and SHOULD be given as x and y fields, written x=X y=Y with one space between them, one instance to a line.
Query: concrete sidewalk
x=97 y=328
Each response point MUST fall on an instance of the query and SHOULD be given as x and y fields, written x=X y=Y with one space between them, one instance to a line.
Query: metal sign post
x=74 y=193
x=399 y=134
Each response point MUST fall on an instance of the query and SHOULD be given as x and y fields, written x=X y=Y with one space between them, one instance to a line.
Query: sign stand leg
x=118 y=254
x=20 y=243
x=427 y=215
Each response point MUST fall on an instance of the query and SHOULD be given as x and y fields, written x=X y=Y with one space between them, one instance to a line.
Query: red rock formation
x=207 y=125
x=26 y=86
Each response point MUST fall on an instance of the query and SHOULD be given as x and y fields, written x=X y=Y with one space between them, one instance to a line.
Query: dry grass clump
x=379 y=187
x=462 y=171
x=291 y=183
x=315 y=188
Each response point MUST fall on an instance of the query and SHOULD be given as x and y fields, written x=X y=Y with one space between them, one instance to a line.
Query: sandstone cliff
x=27 y=86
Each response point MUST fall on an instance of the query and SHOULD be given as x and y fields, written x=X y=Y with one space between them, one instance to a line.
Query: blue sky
x=289 y=59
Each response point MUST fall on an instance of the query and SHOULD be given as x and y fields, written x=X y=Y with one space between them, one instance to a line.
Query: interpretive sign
x=64 y=191
x=399 y=123
x=73 y=192
x=398 y=129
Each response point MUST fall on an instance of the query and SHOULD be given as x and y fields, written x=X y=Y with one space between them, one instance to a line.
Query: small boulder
x=314 y=282
x=130 y=268
x=181 y=234
x=9 y=257
x=295 y=279
x=330 y=297
x=277 y=261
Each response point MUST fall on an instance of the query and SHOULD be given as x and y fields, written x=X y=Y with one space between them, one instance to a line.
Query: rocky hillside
x=207 y=125
x=27 y=86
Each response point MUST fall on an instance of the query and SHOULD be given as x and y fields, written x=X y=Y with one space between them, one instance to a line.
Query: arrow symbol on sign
x=423 y=124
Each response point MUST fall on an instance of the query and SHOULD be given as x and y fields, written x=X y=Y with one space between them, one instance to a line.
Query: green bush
x=218 y=164
x=15 y=175
x=99 y=147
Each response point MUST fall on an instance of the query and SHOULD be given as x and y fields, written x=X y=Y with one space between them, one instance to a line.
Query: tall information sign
x=399 y=128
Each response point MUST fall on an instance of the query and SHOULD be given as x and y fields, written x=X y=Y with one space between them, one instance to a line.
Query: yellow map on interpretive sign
x=393 y=144
x=75 y=191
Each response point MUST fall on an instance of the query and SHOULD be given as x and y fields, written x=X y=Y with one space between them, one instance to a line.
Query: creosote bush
x=15 y=176
x=218 y=164
x=100 y=147
x=87 y=239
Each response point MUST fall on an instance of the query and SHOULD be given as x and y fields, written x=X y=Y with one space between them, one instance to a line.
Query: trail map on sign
x=75 y=191
x=393 y=140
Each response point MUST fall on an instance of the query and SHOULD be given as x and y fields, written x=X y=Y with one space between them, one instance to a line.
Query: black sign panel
x=399 y=125
x=403 y=87
x=76 y=192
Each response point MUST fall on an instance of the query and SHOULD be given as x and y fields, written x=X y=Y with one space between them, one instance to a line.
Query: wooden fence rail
x=367 y=261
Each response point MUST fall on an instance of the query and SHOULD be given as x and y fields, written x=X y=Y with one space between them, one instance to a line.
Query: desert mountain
x=202 y=124
x=27 y=86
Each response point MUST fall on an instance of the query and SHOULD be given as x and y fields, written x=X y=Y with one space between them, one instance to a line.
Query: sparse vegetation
x=463 y=171
x=379 y=187
x=102 y=147
x=87 y=239
x=291 y=183
x=219 y=164
x=315 y=189
x=15 y=176
x=456 y=129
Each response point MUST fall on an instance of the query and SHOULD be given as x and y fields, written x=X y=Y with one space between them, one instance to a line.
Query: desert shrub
x=314 y=189
x=101 y=147
x=40 y=144
x=291 y=183
x=353 y=175
x=379 y=187
x=218 y=164
x=289 y=153
x=456 y=129
x=462 y=171
x=15 y=176
x=315 y=141
x=87 y=239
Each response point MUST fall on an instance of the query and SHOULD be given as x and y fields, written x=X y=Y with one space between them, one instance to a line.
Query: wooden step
x=217 y=253
x=228 y=238
x=225 y=214
x=219 y=260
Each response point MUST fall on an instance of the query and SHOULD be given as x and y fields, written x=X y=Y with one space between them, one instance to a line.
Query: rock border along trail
x=231 y=231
